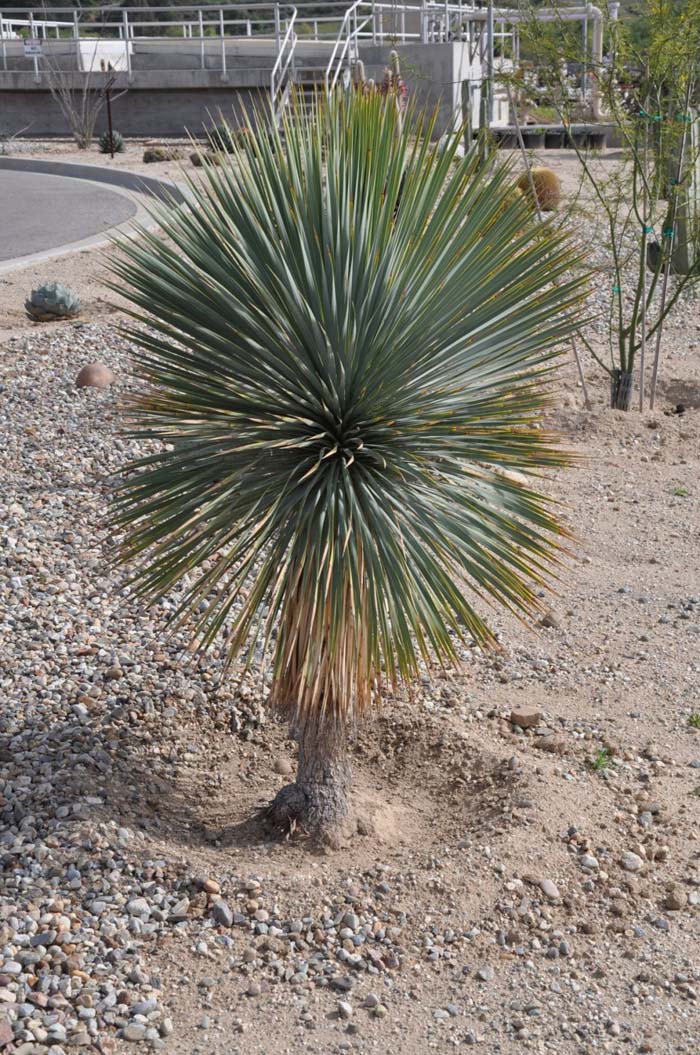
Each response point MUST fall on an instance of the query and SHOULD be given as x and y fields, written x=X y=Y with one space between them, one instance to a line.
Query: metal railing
x=11 y=28
x=282 y=75
x=134 y=39
x=346 y=48
x=261 y=36
x=426 y=21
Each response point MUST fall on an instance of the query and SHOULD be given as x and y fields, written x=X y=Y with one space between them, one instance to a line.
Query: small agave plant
x=52 y=302
x=111 y=144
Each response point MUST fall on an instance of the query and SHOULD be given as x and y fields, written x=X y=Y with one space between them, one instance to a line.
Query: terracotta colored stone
x=525 y=717
x=95 y=375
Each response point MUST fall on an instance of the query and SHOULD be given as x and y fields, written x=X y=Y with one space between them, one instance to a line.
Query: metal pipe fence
x=425 y=21
x=263 y=36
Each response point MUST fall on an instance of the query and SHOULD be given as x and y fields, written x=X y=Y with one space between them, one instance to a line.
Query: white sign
x=32 y=48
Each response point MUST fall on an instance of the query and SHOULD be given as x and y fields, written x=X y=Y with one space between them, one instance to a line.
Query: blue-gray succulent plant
x=52 y=301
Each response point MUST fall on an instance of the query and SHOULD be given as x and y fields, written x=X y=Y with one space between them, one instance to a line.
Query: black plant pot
x=596 y=140
x=621 y=390
x=533 y=140
x=555 y=140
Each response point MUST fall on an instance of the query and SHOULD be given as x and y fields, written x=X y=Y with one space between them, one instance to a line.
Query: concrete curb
x=163 y=190
x=123 y=181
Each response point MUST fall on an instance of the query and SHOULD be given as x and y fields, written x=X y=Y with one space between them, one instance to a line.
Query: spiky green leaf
x=349 y=337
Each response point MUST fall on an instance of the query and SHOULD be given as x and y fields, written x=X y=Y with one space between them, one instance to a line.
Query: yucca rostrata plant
x=339 y=391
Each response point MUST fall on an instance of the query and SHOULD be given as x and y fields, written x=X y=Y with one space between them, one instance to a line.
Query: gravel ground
x=526 y=871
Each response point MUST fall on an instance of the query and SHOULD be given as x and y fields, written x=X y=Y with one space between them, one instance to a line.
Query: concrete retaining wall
x=166 y=101
x=169 y=91
x=143 y=111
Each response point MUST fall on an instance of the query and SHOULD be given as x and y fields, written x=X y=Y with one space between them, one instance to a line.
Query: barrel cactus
x=547 y=188
x=154 y=155
x=111 y=143
x=52 y=302
x=200 y=159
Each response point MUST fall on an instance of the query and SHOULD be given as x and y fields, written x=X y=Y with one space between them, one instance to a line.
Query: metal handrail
x=337 y=61
x=219 y=35
x=223 y=23
x=259 y=19
x=279 y=93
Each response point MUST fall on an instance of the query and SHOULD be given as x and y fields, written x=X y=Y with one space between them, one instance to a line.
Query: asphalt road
x=39 y=212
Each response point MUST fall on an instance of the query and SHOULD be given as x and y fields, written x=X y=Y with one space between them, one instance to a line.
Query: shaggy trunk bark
x=317 y=802
x=621 y=390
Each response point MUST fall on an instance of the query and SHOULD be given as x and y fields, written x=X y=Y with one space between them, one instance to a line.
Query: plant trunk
x=317 y=802
x=621 y=390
